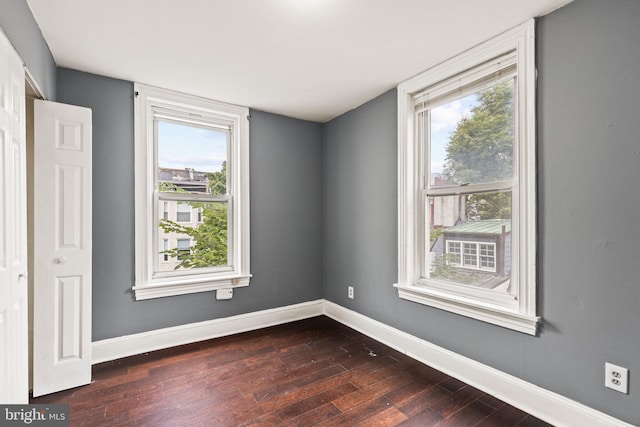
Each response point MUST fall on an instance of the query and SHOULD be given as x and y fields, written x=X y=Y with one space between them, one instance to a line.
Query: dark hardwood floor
x=306 y=373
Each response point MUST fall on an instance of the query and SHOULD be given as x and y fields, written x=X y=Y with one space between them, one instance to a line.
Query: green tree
x=210 y=238
x=481 y=146
x=481 y=151
x=488 y=206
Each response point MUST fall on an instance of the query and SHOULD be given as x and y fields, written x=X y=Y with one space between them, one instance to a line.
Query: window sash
x=230 y=266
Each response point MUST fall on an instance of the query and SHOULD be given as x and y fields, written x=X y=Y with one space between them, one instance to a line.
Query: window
x=183 y=249
x=184 y=212
x=192 y=159
x=466 y=149
x=165 y=250
x=477 y=256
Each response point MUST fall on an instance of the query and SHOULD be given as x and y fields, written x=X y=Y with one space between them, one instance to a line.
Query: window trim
x=502 y=310
x=151 y=103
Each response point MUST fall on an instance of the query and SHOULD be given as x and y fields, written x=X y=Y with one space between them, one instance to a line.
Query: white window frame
x=516 y=310
x=151 y=103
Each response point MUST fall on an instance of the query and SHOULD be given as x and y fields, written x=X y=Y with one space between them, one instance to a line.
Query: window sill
x=469 y=307
x=172 y=289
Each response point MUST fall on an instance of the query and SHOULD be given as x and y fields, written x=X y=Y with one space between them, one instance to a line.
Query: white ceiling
x=309 y=59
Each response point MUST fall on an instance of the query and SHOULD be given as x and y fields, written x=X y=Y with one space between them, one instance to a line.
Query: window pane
x=165 y=248
x=191 y=158
x=472 y=137
x=183 y=213
x=183 y=246
x=470 y=258
x=197 y=244
x=470 y=239
x=165 y=212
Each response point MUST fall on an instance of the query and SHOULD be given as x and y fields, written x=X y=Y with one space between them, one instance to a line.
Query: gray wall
x=588 y=204
x=286 y=209
x=18 y=24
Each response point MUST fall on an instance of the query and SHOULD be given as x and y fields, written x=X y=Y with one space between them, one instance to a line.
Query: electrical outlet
x=616 y=378
x=350 y=291
x=224 y=294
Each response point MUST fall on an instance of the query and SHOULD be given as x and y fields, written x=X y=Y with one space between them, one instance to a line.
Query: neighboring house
x=479 y=250
x=180 y=212
x=446 y=211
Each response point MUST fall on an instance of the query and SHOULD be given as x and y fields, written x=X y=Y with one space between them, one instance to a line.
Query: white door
x=14 y=374
x=62 y=247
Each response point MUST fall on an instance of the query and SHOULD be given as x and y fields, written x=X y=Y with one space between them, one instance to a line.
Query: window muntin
x=440 y=195
x=191 y=185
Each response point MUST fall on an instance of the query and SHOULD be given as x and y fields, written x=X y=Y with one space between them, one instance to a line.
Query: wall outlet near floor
x=350 y=291
x=224 y=294
x=616 y=378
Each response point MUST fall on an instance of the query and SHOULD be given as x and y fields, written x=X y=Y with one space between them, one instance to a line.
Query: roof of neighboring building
x=485 y=226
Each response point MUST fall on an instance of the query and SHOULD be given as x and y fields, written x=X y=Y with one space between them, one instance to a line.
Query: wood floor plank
x=425 y=400
x=310 y=403
x=372 y=391
x=301 y=374
x=505 y=416
x=365 y=411
x=470 y=415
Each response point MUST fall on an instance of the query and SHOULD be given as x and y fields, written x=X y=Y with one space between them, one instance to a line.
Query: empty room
x=319 y=212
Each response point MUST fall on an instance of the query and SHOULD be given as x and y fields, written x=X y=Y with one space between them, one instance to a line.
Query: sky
x=444 y=120
x=181 y=146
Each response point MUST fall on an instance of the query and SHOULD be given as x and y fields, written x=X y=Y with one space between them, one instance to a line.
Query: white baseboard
x=541 y=403
x=546 y=405
x=129 y=345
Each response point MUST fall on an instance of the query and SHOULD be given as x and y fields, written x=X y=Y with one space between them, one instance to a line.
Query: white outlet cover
x=616 y=378
x=222 y=294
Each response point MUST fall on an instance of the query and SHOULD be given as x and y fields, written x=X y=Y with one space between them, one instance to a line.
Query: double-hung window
x=191 y=160
x=466 y=152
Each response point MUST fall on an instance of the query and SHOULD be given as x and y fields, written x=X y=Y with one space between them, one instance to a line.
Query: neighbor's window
x=191 y=159
x=165 y=250
x=184 y=210
x=467 y=183
x=183 y=249
x=165 y=212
